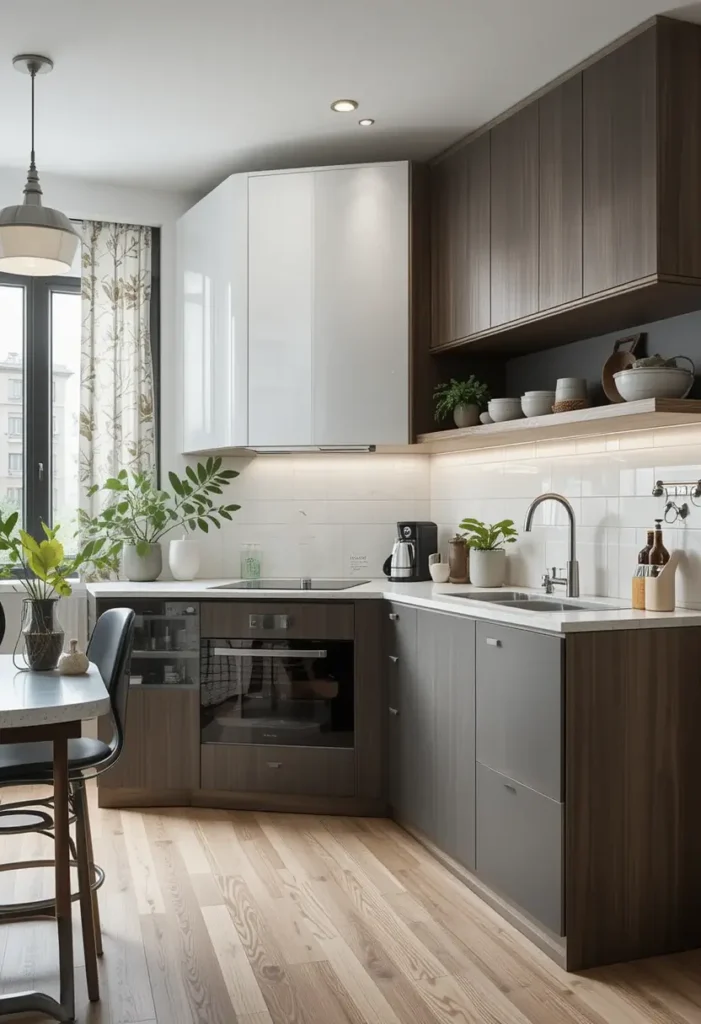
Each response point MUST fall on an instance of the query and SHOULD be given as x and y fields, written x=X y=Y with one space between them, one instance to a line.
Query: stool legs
x=91 y=866
x=86 y=894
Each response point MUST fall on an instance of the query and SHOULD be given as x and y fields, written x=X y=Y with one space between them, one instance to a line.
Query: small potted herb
x=463 y=398
x=139 y=515
x=487 y=550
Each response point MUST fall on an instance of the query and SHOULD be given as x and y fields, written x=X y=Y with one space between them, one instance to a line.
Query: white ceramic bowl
x=654 y=382
x=440 y=571
x=503 y=409
x=537 y=403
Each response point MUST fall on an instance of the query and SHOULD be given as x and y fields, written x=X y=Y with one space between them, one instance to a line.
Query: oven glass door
x=284 y=692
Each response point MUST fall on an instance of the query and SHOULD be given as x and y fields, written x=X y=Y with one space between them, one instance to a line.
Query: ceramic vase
x=142 y=568
x=466 y=415
x=73 y=662
x=184 y=559
x=487 y=568
x=43 y=634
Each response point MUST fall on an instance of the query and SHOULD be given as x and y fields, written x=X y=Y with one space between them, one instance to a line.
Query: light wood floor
x=216 y=917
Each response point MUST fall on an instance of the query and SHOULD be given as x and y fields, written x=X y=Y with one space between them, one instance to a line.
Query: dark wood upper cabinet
x=560 y=183
x=620 y=165
x=460 y=243
x=514 y=216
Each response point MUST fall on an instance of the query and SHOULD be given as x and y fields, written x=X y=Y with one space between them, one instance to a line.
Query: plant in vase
x=44 y=572
x=139 y=514
x=487 y=550
x=463 y=398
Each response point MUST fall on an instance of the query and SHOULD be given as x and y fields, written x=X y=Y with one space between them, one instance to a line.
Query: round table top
x=46 y=698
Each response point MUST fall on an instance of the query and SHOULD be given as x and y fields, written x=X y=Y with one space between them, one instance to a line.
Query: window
x=40 y=359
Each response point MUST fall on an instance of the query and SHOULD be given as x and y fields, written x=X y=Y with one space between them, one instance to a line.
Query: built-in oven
x=279 y=691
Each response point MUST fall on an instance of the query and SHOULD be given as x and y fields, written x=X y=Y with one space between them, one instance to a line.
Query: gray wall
x=678 y=336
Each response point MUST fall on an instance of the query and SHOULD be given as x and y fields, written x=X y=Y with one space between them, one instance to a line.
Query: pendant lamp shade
x=35 y=240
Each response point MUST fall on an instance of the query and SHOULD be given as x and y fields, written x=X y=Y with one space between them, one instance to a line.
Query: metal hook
x=680 y=512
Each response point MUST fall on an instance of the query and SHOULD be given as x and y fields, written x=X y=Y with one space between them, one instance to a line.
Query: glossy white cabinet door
x=361 y=305
x=212 y=241
x=280 y=265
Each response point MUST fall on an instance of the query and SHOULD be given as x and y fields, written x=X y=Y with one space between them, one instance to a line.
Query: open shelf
x=647 y=414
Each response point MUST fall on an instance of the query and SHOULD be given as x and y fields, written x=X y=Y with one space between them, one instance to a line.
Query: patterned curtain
x=117 y=424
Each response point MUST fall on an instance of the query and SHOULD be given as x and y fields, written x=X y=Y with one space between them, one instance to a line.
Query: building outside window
x=14 y=425
x=14 y=463
x=13 y=496
x=14 y=386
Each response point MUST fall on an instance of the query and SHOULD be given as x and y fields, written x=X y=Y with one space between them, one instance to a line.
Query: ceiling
x=177 y=94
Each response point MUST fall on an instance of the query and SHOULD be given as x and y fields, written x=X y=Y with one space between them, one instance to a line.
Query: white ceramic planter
x=142 y=568
x=466 y=415
x=487 y=568
x=184 y=559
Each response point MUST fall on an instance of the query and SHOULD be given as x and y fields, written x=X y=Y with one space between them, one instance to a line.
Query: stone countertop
x=443 y=597
x=45 y=698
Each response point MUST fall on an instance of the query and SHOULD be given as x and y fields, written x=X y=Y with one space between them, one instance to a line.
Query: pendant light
x=34 y=239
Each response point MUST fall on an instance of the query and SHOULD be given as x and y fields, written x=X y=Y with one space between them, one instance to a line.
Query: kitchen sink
x=498 y=597
x=553 y=604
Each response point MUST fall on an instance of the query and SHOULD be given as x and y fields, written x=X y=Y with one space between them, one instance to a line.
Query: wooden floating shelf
x=647 y=414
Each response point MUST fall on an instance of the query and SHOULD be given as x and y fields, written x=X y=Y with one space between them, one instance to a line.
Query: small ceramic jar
x=73 y=662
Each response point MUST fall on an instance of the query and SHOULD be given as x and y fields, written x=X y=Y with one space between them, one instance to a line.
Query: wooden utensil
x=622 y=358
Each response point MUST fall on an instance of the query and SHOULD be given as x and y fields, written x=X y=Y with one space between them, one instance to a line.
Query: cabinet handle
x=491 y=642
x=511 y=789
x=277 y=652
x=394 y=658
x=393 y=616
x=394 y=711
x=274 y=764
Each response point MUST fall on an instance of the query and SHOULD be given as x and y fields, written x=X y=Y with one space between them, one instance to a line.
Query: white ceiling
x=179 y=93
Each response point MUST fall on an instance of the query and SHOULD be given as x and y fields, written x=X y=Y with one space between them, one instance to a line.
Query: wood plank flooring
x=215 y=917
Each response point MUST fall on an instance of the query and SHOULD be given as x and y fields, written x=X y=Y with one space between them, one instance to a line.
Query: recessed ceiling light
x=344 y=106
x=366 y=122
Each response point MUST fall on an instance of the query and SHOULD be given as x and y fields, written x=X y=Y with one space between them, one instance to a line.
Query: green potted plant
x=44 y=572
x=487 y=550
x=139 y=514
x=463 y=398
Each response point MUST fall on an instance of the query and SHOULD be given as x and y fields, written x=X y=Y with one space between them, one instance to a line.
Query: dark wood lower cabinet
x=305 y=771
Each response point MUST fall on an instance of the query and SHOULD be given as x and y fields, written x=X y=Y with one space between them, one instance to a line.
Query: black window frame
x=37 y=403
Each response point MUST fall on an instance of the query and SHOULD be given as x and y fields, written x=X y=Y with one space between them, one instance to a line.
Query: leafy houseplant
x=487 y=550
x=139 y=514
x=42 y=569
x=463 y=398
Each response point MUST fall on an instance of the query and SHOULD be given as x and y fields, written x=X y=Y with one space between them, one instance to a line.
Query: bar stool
x=110 y=649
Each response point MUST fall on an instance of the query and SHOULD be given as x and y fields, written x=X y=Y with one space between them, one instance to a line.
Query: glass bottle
x=659 y=555
x=644 y=553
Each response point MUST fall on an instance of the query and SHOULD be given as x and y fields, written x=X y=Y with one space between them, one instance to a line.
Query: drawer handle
x=277 y=652
x=491 y=642
x=394 y=658
x=511 y=789
x=393 y=616
x=274 y=764
x=394 y=711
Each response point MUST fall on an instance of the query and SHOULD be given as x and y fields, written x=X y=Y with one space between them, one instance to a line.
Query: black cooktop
x=291 y=584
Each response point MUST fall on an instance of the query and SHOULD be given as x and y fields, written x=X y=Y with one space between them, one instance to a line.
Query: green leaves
x=459 y=392
x=484 y=537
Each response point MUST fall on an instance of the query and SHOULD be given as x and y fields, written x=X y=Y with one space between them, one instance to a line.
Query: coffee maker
x=408 y=562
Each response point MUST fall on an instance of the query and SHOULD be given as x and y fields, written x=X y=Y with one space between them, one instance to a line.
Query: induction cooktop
x=305 y=583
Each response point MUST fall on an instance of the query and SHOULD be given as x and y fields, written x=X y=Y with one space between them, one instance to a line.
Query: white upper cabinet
x=212 y=254
x=360 y=383
x=295 y=310
x=280 y=297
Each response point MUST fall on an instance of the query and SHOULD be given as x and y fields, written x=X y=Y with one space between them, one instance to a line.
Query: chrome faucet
x=571 y=578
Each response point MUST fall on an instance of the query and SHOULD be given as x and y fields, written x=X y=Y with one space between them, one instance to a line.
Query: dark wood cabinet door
x=560 y=186
x=514 y=206
x=460 y=243
x=620 y=166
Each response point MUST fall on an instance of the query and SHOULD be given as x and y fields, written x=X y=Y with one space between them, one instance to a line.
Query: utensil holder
x=660 y=591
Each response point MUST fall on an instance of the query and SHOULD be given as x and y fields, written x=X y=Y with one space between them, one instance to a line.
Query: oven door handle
x=244 y=652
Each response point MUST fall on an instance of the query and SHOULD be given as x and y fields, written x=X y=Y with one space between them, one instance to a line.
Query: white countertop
x=46 y=698
x=439 y=597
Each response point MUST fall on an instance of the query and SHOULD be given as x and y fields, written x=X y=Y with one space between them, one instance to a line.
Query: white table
x=45 y=706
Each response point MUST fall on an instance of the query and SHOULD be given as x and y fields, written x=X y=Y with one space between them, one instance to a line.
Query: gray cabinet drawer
x=519 y=846
x=519 y=706
x=303 y=771
x=273 y=620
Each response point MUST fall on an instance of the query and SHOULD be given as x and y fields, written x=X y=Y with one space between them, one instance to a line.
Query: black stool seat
x=32 y=761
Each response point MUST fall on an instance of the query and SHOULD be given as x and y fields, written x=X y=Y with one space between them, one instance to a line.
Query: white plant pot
x=142 y=568
x=466 y=415
x=184 y=559
x=487 y=568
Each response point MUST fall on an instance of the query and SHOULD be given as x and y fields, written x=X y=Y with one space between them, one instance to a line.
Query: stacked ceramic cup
x=570 y=394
